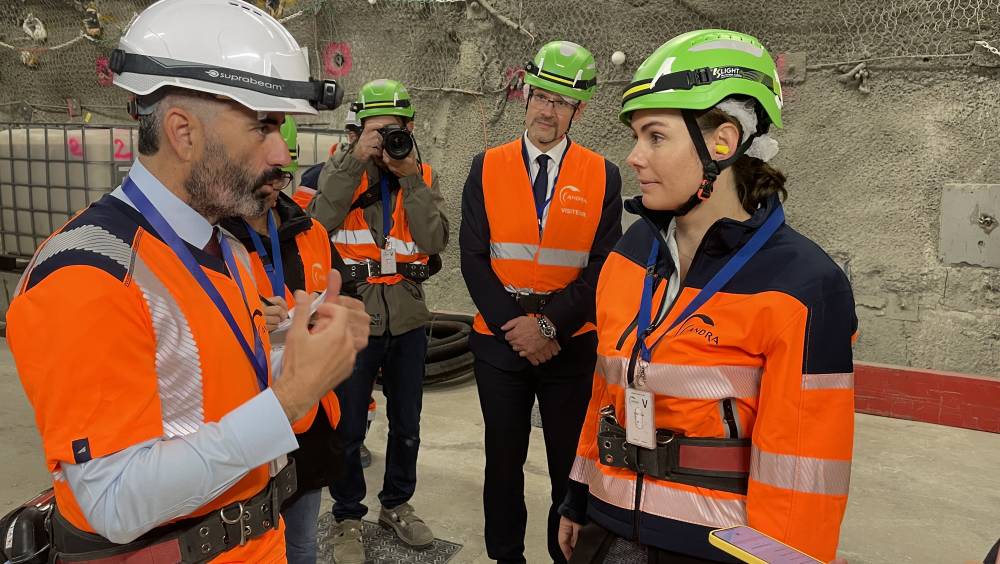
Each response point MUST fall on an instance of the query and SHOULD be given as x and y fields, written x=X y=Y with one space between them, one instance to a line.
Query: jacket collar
x=722 y=237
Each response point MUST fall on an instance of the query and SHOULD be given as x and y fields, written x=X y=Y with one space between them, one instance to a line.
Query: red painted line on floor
x=931 y=396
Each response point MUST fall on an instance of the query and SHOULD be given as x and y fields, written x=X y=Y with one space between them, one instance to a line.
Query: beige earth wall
x=867 y=166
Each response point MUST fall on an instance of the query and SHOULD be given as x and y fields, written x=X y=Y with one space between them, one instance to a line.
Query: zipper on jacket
x=628 y=330
x=729 y=418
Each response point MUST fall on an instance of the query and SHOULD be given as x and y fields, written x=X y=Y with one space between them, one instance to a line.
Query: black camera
x=397 y=141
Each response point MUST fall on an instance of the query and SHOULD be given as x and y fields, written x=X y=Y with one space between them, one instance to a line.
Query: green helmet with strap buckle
x=290 y=133
x=699 y=69
x=565 y=68
x=383 y=97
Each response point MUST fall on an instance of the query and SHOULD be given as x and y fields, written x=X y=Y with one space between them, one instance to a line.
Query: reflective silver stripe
x=353 y=237
x=546 y=256
x=58 y=476
x=582 y=470
x=686 y=381
x=90 y=238
x=619 y=492
x=841 y=381
x=612 y=369
x=178 y=364
x=660 y=499
x=562 y=257
x=513 y=251
x=683 y=505
x=800 y=473
x=364 y=237
x=404 y=247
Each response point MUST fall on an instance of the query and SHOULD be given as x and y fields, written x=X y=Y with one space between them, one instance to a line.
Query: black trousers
x=562 y=387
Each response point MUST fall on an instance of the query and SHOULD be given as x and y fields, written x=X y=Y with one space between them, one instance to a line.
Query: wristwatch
x=547 y=329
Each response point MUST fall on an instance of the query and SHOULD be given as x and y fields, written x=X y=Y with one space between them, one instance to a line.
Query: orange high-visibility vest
x=523 y=262
x=357 y=245
x=736 y=368
x=178 y=367
x=314 y=249
x=303 y=196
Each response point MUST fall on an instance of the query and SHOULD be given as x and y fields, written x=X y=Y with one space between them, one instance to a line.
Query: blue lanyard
x=540 y=209
x=257 y=356
x=724 y=275
x=646 y=304
x=276 y=269
x=386 y=211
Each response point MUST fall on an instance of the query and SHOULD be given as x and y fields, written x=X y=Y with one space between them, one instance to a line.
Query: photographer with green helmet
x=385 y=215
x=724 y=390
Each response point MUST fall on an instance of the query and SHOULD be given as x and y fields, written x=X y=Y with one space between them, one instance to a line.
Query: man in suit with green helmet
x=539 y=216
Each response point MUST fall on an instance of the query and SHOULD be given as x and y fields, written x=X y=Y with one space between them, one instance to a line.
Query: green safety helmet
x=383 y=97
x=290 y=133
x=699 y=69
x=565 y=68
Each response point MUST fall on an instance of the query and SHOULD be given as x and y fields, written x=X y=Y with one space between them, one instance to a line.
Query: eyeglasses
x=283 y=181
x=541 y=102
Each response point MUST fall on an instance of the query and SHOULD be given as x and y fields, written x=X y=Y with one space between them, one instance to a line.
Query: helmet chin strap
x=711 y=168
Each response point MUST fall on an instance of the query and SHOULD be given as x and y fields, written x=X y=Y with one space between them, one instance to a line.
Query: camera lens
x=397 y=143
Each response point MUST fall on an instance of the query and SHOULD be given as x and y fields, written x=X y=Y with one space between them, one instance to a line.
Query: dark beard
x=219 y=187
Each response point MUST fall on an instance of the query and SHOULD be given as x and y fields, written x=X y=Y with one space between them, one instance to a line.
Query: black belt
x=531 y=303
x=190 y=541
x=718 y=464
x=370 y=269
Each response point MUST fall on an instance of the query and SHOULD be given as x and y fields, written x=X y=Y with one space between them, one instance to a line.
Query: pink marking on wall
x=104 y=76
x=514 y=78
x=337 y=60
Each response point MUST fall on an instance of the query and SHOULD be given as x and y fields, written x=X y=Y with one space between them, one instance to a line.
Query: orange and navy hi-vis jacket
x=140 y=353
x=356 y=243
x=767 y=358
x=307 y=259
x=503 y=252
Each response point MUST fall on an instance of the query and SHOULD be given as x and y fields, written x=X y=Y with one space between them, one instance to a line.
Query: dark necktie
x=541 y=185
x=212 y=246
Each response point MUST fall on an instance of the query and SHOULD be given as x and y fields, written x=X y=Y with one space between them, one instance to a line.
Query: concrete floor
x=920 y=493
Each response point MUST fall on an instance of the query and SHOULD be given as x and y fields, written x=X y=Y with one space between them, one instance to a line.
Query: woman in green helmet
x=723 y=394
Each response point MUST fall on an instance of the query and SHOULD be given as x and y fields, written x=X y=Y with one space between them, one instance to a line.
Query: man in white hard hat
x=163 y=424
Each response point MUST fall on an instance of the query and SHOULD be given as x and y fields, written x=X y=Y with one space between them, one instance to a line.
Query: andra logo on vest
x=701 y=325
x=571 y=199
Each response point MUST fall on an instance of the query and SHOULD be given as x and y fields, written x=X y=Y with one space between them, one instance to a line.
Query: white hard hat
x=224 y=47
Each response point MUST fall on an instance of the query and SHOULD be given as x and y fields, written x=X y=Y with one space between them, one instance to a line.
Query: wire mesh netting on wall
x=53 y=53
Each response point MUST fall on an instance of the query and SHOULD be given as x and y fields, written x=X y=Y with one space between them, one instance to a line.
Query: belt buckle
x=664 y=437
x=370 y=263
x=238 y=521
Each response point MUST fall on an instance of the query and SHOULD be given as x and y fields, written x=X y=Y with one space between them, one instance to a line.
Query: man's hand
x=568 y=532
x=369 y=145
x=544 y=354
x=404 y=167
x=318 y=359
x=524 y=336
x=276 y=313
